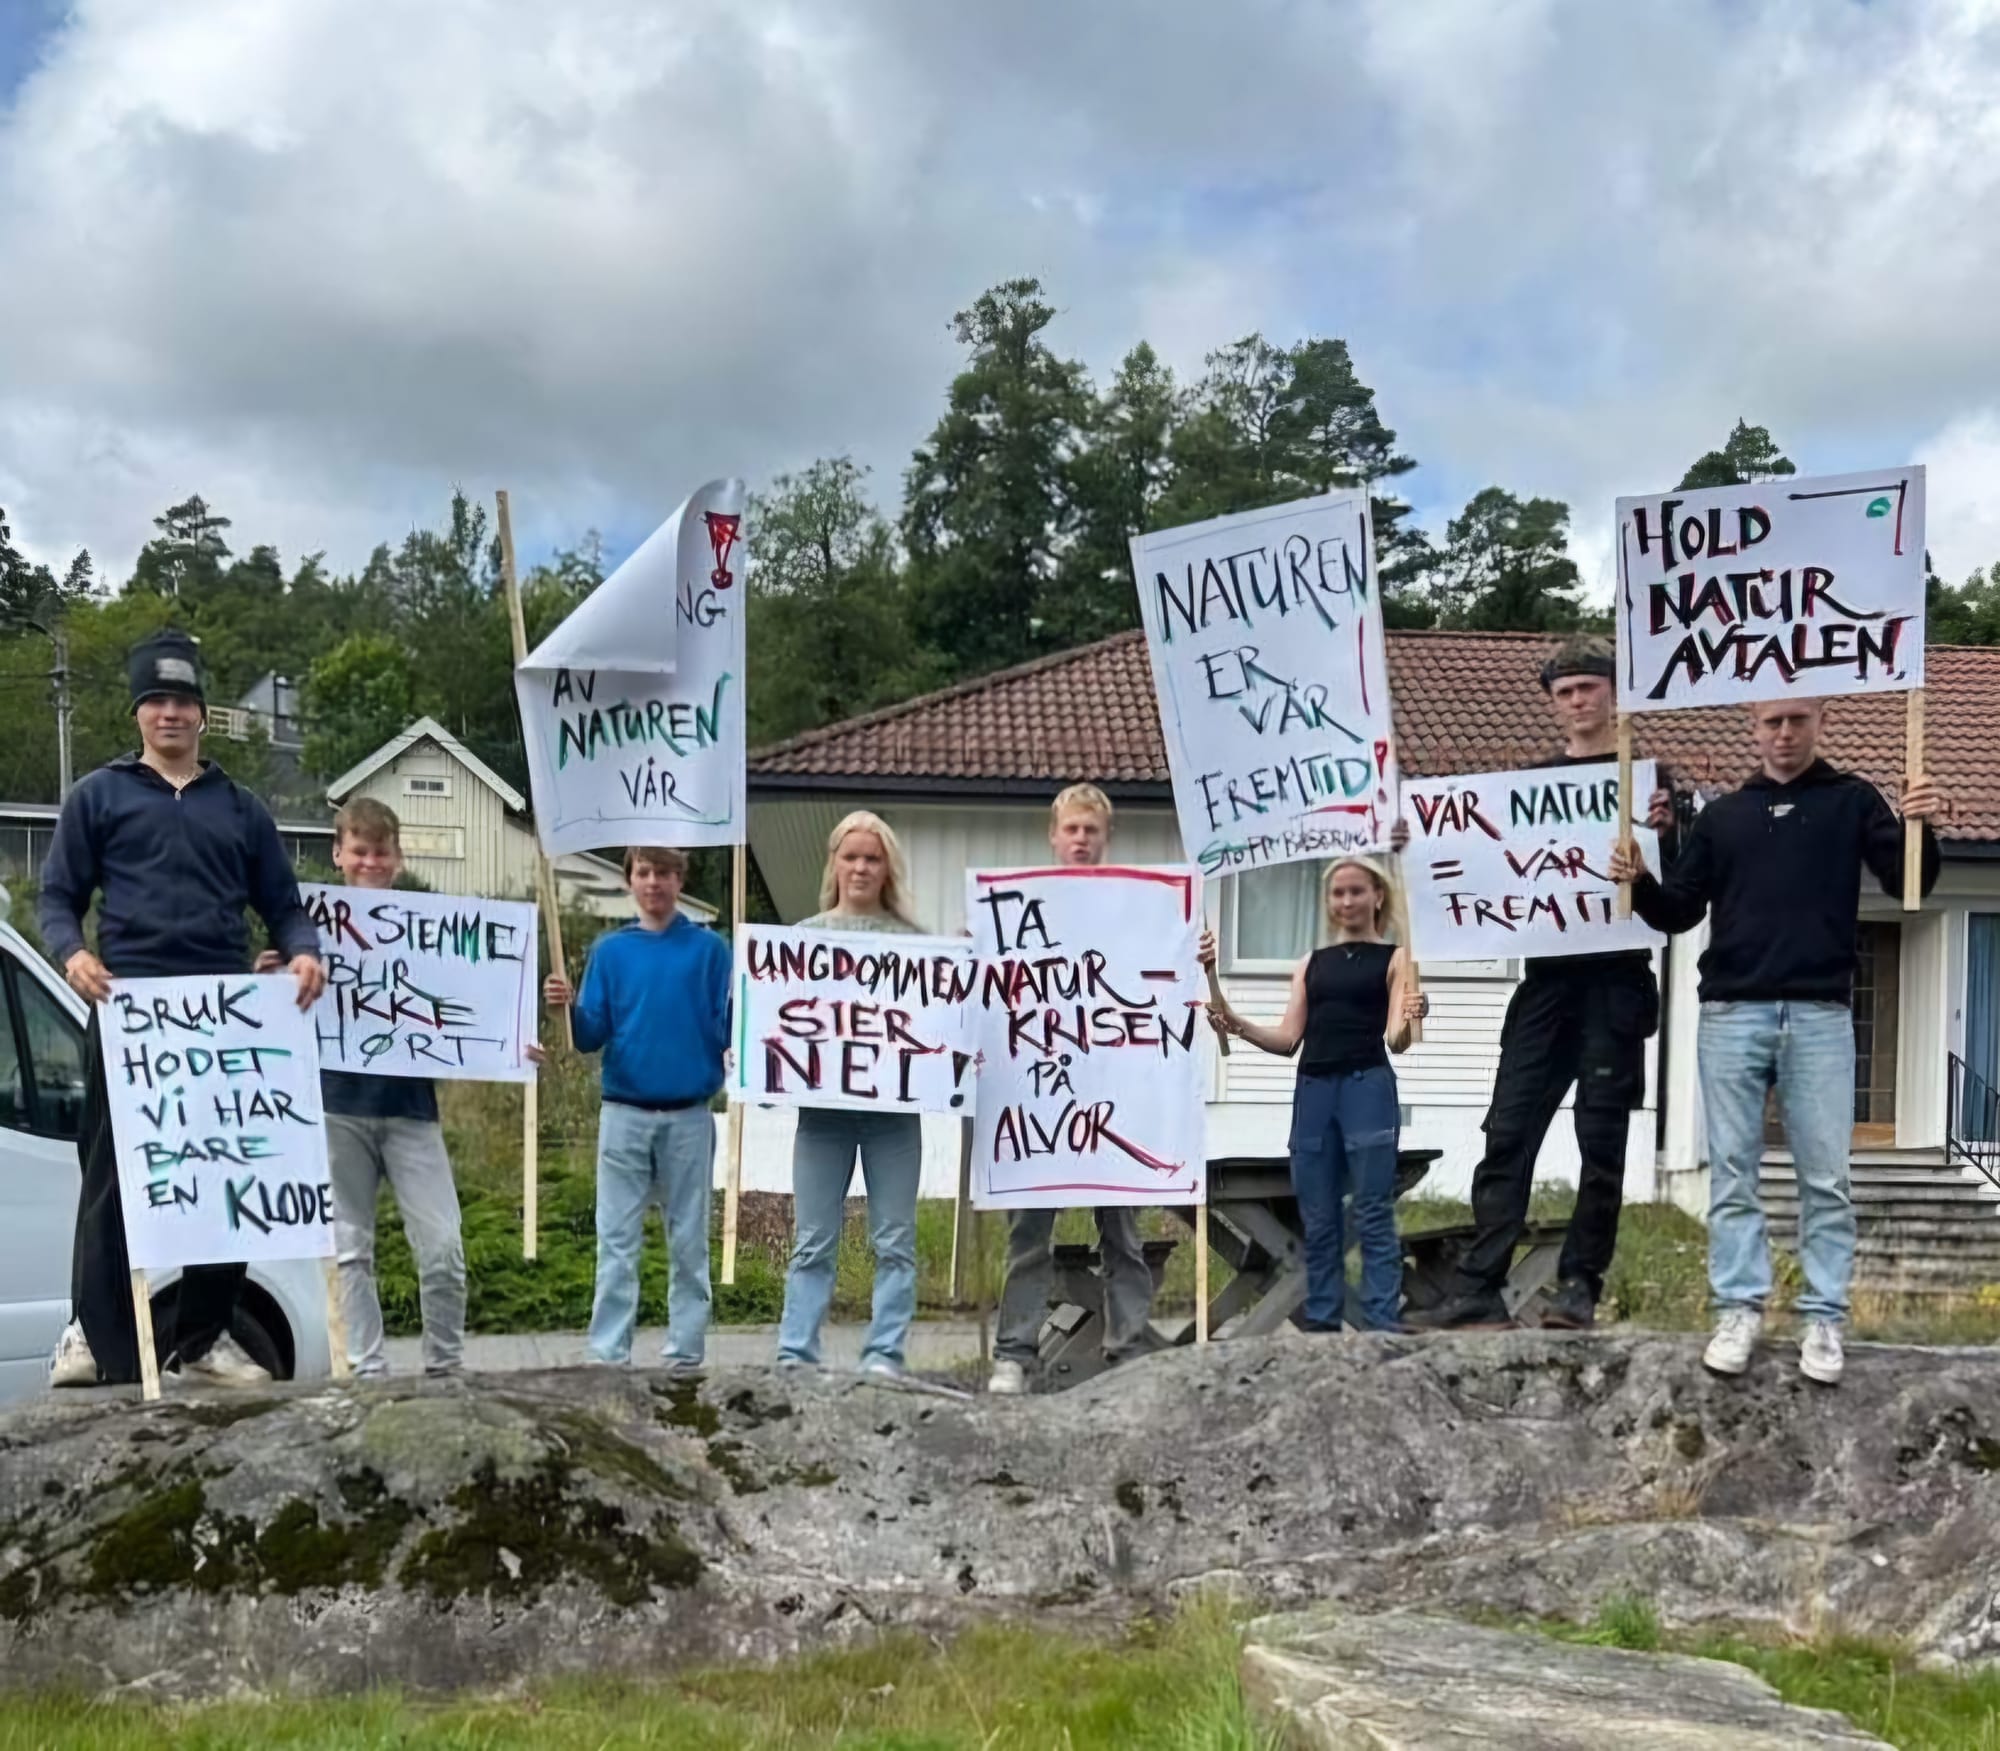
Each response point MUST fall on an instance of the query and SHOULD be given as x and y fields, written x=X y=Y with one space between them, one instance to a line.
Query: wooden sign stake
x=336 y=1321
x=961 y=1215
x=1913 y=831
x=142 y=1317
x=732 y=1187
x=551 y=902
x=1201 y=1269
x=531 y=1180
x=1623 y=907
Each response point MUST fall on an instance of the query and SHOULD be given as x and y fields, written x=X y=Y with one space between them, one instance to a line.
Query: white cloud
x=321 y=260
x=1962 y=489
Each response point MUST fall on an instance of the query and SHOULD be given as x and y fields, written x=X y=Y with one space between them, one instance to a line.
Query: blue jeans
x=645 y=1158
x=1344 y=1131
x=1805 y=1050
x=891 y=1146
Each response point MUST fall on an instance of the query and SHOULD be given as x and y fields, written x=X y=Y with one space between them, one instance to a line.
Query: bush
x=508 y=1293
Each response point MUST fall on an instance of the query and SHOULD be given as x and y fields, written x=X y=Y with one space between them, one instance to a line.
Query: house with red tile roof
x=965 y=775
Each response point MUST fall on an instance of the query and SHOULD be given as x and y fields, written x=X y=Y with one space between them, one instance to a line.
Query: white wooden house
x=965 y=776
x=466 y=830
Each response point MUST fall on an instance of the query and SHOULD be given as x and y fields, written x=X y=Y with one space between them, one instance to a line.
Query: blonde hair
x=895 y=883
x=1391 y=917
x=1080 y=798
x=365 y=817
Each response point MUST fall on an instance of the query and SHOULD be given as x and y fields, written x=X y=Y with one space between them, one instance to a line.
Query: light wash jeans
x=1805 y=1050
x=645 y=1158
x=408 y=1153
x=891 y=1146
x=1031 y=1274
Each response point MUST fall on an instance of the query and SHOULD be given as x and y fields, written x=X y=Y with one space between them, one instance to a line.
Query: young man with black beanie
x=1777 y=867
x=176 y=850
x=1575 y=1020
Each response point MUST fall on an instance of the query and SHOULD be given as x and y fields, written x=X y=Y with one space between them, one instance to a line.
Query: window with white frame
x=433 y=841
x=419 y=784
x=1273 y=920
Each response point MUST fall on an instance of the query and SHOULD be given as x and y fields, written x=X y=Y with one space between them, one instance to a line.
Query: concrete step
x=1922 y=1185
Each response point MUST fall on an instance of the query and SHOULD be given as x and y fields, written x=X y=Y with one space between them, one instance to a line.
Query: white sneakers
x=226 y=1364
x=1738 y=1329
x=1820 y=1356
x=1009 y=1380
x=73 y=1364
x=1736 y=1334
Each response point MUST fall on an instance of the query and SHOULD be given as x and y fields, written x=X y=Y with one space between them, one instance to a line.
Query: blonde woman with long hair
x=1349 y=1001
x=864 y=887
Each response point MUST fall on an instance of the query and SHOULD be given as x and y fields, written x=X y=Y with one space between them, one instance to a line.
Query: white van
x=281 y=1320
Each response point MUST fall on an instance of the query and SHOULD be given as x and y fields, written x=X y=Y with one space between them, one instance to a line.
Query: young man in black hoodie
x=176 y=851
x=1575 y=1020
x=1778 y=866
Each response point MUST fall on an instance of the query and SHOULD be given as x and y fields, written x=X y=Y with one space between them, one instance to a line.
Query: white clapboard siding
x=1453 y=1067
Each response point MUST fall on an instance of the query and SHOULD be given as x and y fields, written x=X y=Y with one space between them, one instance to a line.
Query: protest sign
x=1507 y=864
x=859 y=1019
x=424 y=984
x=1089 y=1009
x=214 y=1098
x=633 y=707
x=1265 y=631
x=1773 y=589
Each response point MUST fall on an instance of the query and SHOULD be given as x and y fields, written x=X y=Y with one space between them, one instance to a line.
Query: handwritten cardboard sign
x=1091 y=1080
x=1780 y=588
x=424 y=984
x=862 y=1019
x=1265 y=631
x=633 y=707
x=215 y=1114
x=1505 y=864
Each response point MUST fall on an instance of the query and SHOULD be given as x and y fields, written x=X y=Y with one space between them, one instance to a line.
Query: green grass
x=1171 y=1686
x=1877 y=1686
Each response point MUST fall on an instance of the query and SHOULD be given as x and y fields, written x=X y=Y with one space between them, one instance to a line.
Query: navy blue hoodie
x=1778 y=866
x=176 y=869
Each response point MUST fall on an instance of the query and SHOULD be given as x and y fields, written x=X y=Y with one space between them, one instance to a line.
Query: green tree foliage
x=990 y=498
x=1117 y=478
x=1019 y=507
x=831 y=630
x=1506 y=567
x=1748 y=454
x=356 y=697
x=1967 y=614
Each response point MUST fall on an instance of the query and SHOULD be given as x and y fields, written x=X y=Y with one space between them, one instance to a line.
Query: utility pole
x=60 y=675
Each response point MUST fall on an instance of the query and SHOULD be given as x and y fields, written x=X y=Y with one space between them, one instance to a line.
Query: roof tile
x=1465 y=702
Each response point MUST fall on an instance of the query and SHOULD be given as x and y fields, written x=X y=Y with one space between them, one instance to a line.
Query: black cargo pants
x=1583 y=1027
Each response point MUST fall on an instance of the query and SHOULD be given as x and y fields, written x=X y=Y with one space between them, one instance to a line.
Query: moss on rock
x=516 y=1536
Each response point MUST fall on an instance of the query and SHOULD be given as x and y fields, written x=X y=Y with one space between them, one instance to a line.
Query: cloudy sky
x=320 y=260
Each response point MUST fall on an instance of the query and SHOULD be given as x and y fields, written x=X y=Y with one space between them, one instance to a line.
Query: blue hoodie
x=657 y=1003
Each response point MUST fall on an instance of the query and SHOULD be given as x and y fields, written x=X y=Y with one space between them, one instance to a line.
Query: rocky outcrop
x=1332 y=1681
x=510 y=1527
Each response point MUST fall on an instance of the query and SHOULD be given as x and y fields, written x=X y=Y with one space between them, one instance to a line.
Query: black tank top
x=1347 y=1008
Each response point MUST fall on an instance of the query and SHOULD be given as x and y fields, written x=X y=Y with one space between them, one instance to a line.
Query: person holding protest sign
x=1777 y=867
x=655 y=1001
x=1352 y=1003
x=386 y=1128
x=1080 y=823
x=1578 y=1021
x=176 y=851
x=864 y=887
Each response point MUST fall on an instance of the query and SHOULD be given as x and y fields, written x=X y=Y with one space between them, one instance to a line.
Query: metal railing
x=1972 y=1119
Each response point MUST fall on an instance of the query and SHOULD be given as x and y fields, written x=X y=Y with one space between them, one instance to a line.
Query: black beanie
x=168 y=662
x=1584 y=655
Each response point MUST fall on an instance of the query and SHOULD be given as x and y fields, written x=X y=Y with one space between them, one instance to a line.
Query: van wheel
x=258 y=1344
